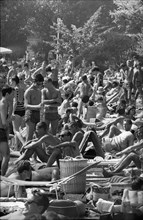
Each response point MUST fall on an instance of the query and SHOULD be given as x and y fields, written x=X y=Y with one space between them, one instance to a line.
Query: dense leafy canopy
x=105 y=31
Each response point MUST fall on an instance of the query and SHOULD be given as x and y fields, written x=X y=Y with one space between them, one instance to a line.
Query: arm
x=9 y=75
x=65 y=144
x=36 y=143
x=14 y=101
x=3 y=117
x=117 y=120
x=136 y=146
x=36 y=72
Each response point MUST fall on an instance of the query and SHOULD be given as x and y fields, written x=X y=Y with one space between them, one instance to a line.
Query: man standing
x=7 y=95
x=32 y=102
x=85 y=90
x=51 y=98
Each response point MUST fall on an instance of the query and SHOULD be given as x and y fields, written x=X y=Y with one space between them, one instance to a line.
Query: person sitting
x=91 y=136
x=45 y=142
x=118 y=140
x=131 y=154
x=34 y=207
x=67 y=148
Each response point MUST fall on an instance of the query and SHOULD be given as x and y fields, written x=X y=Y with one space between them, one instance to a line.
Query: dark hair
x=129 y=121
x=69 y=110
x=39 y=78
x=76 y=124
x=91 y=103
x=95 y=68
x=66 y=132
x=92 y=78
x=65 y=81
x=85 y=98
x=122 y=101
x=49 y=80
x=23 y=165
x=115 y=83
x=67 y=94
x=130 y=107
x=100 y=98
x=74 y=104
x=19 y=66
x=84 y=77
x=48 y=69
x=41 y=199
x=6 y=89
x=15 y=79
x=43 y=125
x=26 y=65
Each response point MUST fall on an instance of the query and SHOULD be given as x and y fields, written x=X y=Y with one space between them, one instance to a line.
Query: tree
x=14 y=16
x=129 y=18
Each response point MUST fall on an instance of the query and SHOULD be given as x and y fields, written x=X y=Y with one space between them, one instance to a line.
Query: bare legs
x=91 y=136
x=123 y=164
x=5 y=152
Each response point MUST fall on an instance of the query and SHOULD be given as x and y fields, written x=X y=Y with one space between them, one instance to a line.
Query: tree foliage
x=100 y=30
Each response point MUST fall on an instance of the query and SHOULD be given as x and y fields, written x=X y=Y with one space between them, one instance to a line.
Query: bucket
x=70 y=166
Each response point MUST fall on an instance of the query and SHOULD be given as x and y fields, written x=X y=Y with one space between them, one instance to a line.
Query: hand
x=22 y=150
x=40 y=105
x=107 y=126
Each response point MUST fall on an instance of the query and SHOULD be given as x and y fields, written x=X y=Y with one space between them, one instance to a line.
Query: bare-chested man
x=7 y=94
x=51 y=98
x=32 y=102
x=85 y=91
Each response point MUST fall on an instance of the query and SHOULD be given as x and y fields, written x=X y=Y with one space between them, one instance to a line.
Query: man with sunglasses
x=34 y=207
x=50 y=148
x=32 y=102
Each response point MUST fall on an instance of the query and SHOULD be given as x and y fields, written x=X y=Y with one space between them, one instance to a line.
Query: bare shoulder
x=14 y=176
x=29 y=90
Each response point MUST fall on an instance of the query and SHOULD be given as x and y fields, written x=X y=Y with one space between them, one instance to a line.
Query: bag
x=95 y=191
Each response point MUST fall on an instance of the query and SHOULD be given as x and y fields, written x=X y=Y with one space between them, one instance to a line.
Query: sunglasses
x=63 y=135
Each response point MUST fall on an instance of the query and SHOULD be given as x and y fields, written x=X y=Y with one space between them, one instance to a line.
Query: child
x=90 y=111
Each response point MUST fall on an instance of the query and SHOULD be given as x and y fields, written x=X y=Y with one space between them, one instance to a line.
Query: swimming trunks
x=33 y=116
x=3 y=135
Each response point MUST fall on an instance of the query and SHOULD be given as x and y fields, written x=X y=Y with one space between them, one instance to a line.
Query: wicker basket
x=69 y=167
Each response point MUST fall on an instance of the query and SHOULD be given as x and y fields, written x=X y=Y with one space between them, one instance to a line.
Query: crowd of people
x=48 y=113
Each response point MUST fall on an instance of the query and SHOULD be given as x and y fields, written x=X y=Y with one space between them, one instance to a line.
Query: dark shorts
x=32 y=116
x=3 y=135
x=56 y=84
x=20 y=113
x=52 y=116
